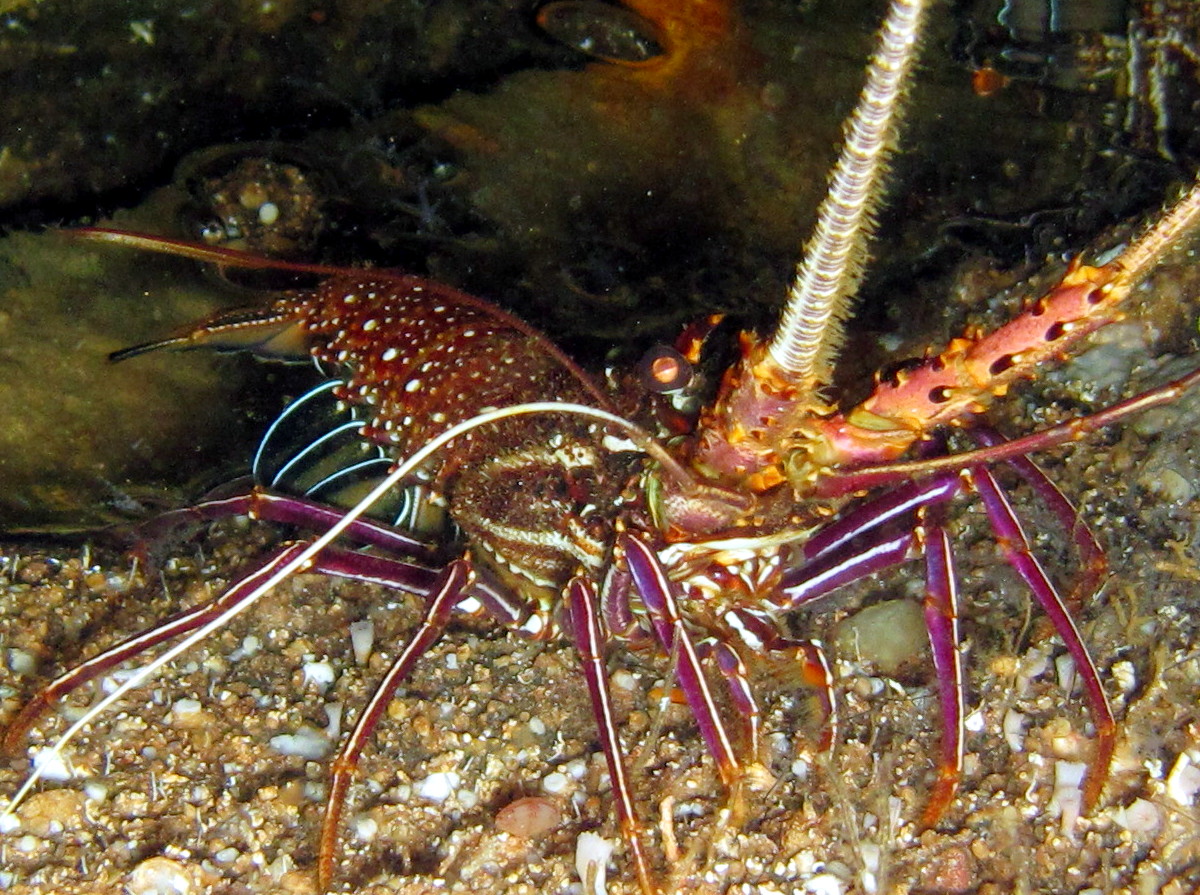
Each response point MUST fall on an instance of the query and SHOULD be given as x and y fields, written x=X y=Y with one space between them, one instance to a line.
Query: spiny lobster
x=578 y=522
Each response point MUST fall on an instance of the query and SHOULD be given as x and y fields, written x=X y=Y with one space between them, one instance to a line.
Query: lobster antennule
x=275 y=331
x=181 y=248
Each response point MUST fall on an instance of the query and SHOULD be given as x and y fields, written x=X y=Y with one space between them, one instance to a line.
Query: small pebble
x=159 y=876
x=554 y=782
x=437 y=787
x=890 y=635
x=362 y=639
x=21 y=663
x=825 y=884
x=365 y=828
x=530 y=817
x=50 y=812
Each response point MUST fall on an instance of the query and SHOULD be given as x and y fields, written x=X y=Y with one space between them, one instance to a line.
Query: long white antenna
x=299 y=562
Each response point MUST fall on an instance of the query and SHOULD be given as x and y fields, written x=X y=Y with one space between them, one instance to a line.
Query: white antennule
x=298 y=563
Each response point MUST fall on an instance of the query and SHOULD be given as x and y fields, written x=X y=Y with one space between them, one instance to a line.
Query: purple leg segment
x=658 y=593
x=888 y=507
x=845 y=566
x=1015 y=548
x=733 y=671
x=812 y=663
x=589 y=641
x=1091 y=554
x=259 y=503
x=449 y=588
x=941 y=621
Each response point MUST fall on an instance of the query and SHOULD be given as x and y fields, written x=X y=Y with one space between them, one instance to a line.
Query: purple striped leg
x=259 y=503
x=584 y=616
x=1015 y=547
x=1091 y=555
x=871 y=539
x=733 y=670
x=394 y=573
x=659 y=595
x=941 y=624
x=761 y=636
x=447 y=591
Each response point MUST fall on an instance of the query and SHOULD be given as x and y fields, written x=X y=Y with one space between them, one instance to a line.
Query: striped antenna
x=810 y=332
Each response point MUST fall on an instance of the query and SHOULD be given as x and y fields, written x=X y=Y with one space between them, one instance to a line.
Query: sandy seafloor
x=182 y=789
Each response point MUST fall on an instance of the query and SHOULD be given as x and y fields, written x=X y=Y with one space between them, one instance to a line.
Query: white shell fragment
x=51 y=765
x=1067 y=800
x=592 y=852
x=1183 y=782
x=825 y=884
x=1014 y=730
x=185 y=710
x=437 y=787
x=159 y=876
x=319 y=674
x=1140 y=816
x=362 y=639
x=1064 y=668
x=307 y=742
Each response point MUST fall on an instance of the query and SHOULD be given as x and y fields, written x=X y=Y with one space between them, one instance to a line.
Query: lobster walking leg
x=895 y=504
x=845 y=566
x=809 y=657
x=860 y=544
x=447 y=591
x=269 y=506
x=658 y=593
x=372 y=569
x=586 y=631
x=1015 y=547
x=1092 y=561
x=941 y=623
x=733 y=671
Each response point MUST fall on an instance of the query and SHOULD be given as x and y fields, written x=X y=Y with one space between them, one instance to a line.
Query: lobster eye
x=663 y=369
